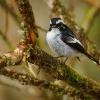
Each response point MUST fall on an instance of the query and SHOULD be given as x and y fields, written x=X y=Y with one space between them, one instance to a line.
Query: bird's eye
x=60 y=24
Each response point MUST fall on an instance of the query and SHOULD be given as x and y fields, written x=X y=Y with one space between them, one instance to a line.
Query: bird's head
x=56 y=22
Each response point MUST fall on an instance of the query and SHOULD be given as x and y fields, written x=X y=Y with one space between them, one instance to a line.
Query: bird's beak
x=53 y=26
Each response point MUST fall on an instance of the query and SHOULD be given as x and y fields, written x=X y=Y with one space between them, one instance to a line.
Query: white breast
x=57 y=45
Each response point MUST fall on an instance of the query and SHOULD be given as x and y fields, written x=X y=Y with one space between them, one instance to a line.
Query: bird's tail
x=93 y=59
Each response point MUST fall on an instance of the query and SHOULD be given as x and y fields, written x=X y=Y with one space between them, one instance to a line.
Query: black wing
x=66 y=30
x=71 y=40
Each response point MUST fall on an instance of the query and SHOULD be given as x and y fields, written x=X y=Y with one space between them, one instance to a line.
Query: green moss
x=63 y=72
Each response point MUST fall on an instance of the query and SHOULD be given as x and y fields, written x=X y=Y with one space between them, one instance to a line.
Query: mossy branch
x=55 y=68
x=51 y=65
x=15 y=58
x=28 y=21
x=28 y=80
x=63 y=72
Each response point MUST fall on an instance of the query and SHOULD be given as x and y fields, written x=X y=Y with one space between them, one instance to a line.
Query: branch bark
x=28 y=80
x=51 y=65
x=28 y=24
x=55 y=68
x=63 y=72
x=15 y=58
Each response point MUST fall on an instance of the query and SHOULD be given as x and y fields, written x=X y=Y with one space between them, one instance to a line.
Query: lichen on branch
x=63 y=72
x=26 y=79
x=51 y=65
x=28 y=21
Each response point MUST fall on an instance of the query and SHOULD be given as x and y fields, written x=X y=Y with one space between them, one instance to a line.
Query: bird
x=63 y=41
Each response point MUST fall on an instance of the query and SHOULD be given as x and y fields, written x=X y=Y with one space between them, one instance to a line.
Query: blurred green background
x=9 y=28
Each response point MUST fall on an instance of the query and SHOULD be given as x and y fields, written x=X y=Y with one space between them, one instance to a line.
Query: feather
x=75 y=44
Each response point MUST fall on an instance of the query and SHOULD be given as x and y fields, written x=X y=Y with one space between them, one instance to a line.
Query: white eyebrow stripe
x=59 y=21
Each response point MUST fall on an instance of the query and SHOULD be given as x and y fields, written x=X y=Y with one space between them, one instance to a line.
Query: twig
x=12 y=84
x=7 y=8
x=90 y=18
x=6 y=40
x=44 y=30
x=6 y=22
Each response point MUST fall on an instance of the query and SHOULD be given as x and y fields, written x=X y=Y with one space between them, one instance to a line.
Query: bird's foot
x=62 y=56
x=38 y=70
x=59 y=57
x=78 y=59
x=65 y=60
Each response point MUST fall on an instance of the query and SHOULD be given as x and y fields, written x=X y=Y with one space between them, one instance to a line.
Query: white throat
x=54 y=31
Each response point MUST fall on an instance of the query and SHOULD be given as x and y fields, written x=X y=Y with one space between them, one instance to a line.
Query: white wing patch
x=74 y=40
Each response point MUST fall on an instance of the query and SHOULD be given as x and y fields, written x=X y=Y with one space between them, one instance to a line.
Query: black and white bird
x=63 y=41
